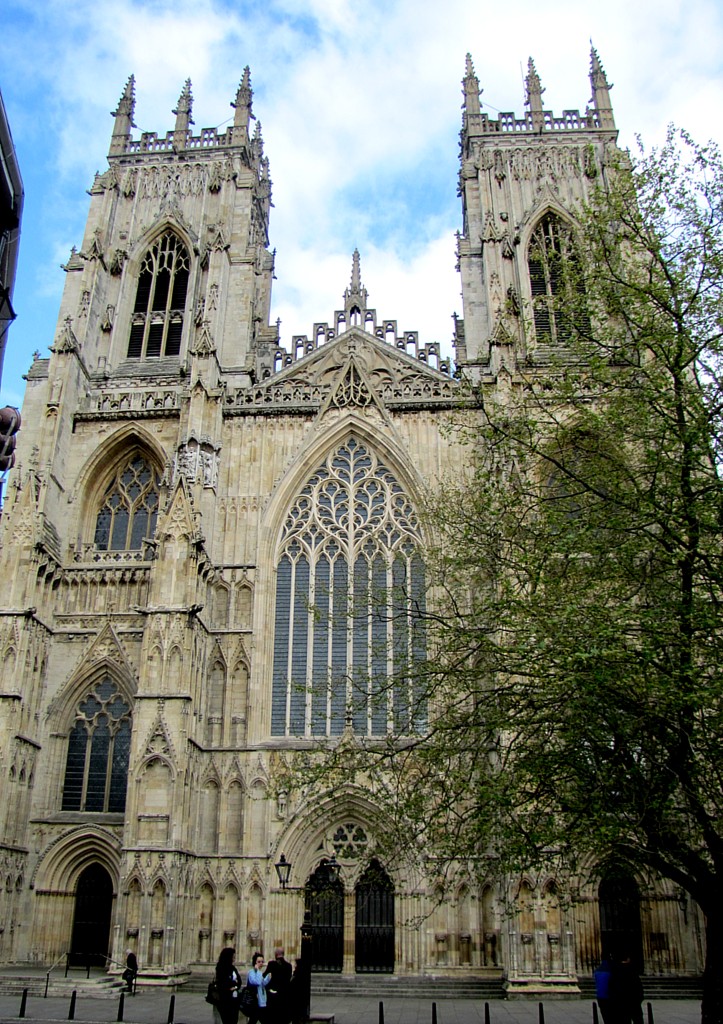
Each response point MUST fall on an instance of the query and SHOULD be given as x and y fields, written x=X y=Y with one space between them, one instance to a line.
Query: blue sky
x=360 y=106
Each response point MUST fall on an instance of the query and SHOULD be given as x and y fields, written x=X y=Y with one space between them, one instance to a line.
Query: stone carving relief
x=198 y=462
x=106 y=322
x=158 y=182
x=67 y=342
x=533 y=162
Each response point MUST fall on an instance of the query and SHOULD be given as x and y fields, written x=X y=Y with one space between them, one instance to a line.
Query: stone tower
x=521 y=181
x=198 y=524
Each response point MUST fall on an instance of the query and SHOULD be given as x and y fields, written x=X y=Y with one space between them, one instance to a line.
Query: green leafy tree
x=574 y=624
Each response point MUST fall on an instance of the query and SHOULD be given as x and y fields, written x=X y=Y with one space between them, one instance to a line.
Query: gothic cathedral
x=192 y=505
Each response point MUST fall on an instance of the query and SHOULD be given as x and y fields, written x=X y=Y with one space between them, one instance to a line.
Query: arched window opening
x=129 y=509
x=157 y=323
x=96 y=769
x=555 y=282
x=350 y=601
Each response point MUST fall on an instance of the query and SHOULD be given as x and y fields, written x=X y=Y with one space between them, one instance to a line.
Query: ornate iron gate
x=325 y=902
x=374 y=939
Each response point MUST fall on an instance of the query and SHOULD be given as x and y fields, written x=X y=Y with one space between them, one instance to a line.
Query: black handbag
x=212 y=994
x=249 y=1000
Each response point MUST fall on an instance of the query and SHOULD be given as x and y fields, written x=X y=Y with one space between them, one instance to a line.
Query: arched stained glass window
x=157 y=322
x=129 y=508
x=554 y=281
x=349 y=619
x=96 y=768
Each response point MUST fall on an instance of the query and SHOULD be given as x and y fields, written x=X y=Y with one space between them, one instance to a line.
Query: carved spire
x=183 y=116
x=242 y=103
x=533 y=96
x=123 y=115
x=355 y=271
x=471 y=89
x=258 y=143
x=600 y=91
x=355 y=296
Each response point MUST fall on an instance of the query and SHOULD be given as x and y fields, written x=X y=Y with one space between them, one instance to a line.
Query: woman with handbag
x=255 y=979
x=228 y=983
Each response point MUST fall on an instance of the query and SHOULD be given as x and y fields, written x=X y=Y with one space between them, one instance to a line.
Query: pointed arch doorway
x=374 y=927
x=325 y=903
x=620 y=928
x=91 y=921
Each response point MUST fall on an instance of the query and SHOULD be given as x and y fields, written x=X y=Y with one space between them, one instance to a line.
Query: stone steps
x=102 y=986
x=383 y=986
x=657 y=987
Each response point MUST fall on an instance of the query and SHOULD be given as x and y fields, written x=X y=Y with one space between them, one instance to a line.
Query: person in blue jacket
x=256 y=979
x=602 y=990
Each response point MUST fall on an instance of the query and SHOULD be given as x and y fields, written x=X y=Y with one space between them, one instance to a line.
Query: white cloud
x=360 y=105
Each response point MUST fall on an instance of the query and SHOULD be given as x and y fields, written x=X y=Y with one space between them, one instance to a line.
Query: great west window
x=349 y=618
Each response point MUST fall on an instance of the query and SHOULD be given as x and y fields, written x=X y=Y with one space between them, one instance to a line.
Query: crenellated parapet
x=598 y=114
x=356 y=313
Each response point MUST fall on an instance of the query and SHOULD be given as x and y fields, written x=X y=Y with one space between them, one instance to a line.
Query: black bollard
x=594 y=1013
x=487 y=1013
x=434 y=1013
x=651 y=1019
x=541 y=1013
x=23 y=1003
x=171 y=1009
x=381 y=1012
x=71 y=1011
x=121 y=1004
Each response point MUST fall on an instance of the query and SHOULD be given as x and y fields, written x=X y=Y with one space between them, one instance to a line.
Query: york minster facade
x=192 y=505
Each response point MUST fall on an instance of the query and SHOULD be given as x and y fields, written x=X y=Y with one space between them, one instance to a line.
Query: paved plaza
x=152 y=1007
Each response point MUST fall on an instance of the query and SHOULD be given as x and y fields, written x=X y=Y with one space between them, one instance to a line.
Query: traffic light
x=9 y=426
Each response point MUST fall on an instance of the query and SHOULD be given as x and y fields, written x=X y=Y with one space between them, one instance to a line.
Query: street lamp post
x=283 y=870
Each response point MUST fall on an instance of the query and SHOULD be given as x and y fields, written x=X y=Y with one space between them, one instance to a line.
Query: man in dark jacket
x=625 y=992
x=278 y=990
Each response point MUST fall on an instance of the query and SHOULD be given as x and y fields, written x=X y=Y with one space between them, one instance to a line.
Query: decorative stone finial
x=123 y=115
x=356 y=295
x=258 y=142
x=183 y=115
x=355 y=271
x=242 y=103
x=533 y=95
x=470 y=89
x=600 y=91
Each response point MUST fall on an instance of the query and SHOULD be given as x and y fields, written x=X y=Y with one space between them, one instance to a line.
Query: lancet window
x=129 y=508
x=349 y=617
x=96 y=769
x=553 y=270
x=157 y=322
